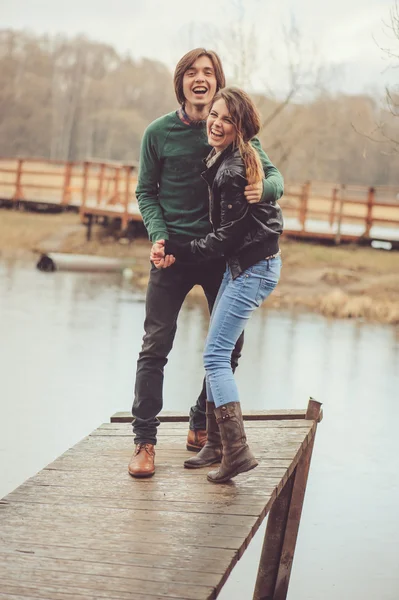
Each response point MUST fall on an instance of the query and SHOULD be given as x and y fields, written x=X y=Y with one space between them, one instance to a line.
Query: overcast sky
x=343 y=34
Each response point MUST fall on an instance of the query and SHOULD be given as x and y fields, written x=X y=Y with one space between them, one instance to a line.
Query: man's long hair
x=247 y=123
x=187 y=61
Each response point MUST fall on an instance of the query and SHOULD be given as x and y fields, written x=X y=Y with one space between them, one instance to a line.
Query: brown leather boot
x=237 y=457
x=196 y=440
x=211 y=453
x=142 y=462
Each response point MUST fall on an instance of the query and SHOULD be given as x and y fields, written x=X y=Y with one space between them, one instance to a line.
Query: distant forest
x=72 y=98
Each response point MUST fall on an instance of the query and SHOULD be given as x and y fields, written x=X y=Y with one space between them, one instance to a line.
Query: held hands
x=253 y=192
x=158 y=257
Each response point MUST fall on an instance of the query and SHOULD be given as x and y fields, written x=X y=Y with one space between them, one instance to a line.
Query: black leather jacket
x=243 y=233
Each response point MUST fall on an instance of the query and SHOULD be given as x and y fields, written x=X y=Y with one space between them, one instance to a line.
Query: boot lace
x=145 y=447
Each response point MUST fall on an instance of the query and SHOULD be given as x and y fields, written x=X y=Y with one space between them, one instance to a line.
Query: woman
x=247 y=235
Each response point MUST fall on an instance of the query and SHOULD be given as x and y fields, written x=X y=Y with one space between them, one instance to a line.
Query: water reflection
x=68 y=353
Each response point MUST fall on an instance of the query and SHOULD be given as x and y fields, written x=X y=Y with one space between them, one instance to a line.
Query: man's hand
x=253 y=192
x=158 y=257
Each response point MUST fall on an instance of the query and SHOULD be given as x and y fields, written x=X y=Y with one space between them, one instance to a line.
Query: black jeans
x=167 y=289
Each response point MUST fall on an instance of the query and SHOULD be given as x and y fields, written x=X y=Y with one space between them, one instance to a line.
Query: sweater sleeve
x=234 y=224
x=273 y=184
x=147 y=187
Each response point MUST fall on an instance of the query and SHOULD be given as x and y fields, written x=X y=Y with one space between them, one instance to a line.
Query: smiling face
x=199 y=83
x=219 y=126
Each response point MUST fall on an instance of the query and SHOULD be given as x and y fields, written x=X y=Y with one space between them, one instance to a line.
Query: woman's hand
x=253 y=193
x=157 y=256
x=158 y=250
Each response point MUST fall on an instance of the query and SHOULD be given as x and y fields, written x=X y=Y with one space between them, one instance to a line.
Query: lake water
x=67 y=359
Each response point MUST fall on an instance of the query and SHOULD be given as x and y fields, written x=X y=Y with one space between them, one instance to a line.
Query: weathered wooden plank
x=198 y=479
x=173 y=573
x=245 y=484
x=58 y=596
x=172 y=447
x=101 y=458
x=103 y=587
x=20 y=592
x=254 y=434
x=252 y=424
x=110 y=520
x=69 y=539
x=10 y=591
x=56 y=495
x=110 y=443
x=70 y=462
x=208 y=500
x=267 y=429
x=117 y=515
x=10 y=588
x=256 y=415
x=144 y=558
x=199 y=538
x=196 y=539
x=51 y=593
x=194 y=477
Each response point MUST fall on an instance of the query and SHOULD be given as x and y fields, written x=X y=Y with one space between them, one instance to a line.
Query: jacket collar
x=214 y=160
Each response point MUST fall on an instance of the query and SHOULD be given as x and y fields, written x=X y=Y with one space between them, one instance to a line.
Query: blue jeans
x=235 y=302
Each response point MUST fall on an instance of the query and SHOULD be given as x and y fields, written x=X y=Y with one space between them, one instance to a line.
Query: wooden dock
x=94 y=189
x=83 y=529
x=104 y=190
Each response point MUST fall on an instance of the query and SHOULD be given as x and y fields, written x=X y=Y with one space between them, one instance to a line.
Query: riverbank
x=345 y=281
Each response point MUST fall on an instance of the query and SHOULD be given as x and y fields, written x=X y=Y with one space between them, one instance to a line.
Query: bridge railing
x=98 y=188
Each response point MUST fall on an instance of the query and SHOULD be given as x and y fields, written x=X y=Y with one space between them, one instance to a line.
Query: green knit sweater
x=172 y=196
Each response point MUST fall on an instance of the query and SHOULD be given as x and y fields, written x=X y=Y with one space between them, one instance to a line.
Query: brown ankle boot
x=237 y=457
x=196 y=439
x=211 y=453
x=142 y=462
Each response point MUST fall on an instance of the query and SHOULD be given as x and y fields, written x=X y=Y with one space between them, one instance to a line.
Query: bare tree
x=392 y=93
x=385 y=131
x=75 y=98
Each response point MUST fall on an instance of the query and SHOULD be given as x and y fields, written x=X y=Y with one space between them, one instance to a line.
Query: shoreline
x=342 y=282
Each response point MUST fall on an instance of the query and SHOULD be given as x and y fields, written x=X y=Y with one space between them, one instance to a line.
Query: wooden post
x=314 y=411
x=340 y=214
x=333 y=203
x=84 y=191
x=283 y=525
x=369 y=216
x=304 y=204
x=66 y=193
x=100 y=184
x=89 y=225
x=115 y=197
x=273 y=544
x=18 y=194
x=84 y=184
x=125 y=216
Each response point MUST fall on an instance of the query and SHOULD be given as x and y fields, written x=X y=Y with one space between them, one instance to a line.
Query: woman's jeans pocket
x=265 y=276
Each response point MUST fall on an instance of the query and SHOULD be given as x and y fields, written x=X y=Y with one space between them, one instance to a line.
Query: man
x=173 y=200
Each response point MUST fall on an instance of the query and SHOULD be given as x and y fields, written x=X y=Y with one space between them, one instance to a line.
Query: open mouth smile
x=200 y=90
x=216 y=134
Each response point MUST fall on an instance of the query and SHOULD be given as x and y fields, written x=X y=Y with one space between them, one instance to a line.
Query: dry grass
x=349 y=257
x=339 y=304
x=21 y=232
